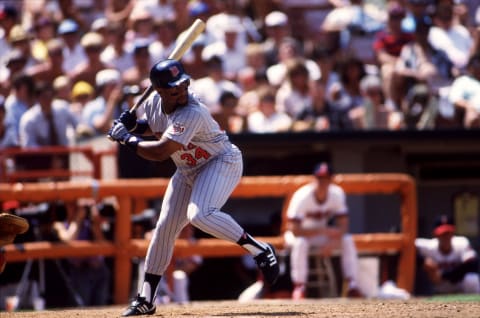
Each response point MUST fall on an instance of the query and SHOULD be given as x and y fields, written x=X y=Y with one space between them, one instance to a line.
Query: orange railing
x=123 y=248
x=91 y=167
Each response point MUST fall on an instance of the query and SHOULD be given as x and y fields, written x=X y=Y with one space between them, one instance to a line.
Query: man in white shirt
x=318 y=216
x=449 y=260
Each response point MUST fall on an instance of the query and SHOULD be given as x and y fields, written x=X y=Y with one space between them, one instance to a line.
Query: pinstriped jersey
x=193 y=127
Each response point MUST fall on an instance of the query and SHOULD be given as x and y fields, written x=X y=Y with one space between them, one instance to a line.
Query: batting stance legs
x=198 y=200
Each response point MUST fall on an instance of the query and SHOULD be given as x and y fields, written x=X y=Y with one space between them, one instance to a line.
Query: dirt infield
x=284 y=308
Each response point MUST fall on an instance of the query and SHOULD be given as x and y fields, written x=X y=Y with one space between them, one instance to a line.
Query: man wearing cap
x=276 y=29
x=92 y=44
x=8 y=18
x=73 y=52
x=98 y=113
x=52 y=67
x=318 y=218
x=449 y=260
x=232 y=55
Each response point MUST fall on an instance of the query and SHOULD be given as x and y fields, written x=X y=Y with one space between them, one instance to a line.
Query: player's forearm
x=152 y=150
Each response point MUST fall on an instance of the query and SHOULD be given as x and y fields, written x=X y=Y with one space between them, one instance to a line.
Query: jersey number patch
x=192 y=158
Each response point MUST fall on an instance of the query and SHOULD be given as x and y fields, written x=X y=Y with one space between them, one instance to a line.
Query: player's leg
x=210 y=191
x=172 y=219
x=299 y=265
x=470 y=283
x=349 y=262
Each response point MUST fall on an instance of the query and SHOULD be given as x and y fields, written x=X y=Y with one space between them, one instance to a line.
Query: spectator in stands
x=46 y=123
x=164 y=43
x=357 y=23
x=251 y=81
x=44 y=31
x=290 y=49
x=20 y=99
x=417 y=11
x=115 y=53
x=232 y=55
x=52 y=66
x=209 y=88
x=14 y=64
x=388 y=44
x=90 y=276
x=345 y=95
x=465 y=93
x=92 y=44
x=229 y=11
x=81 y=93
x=327 y=62
x=63 y=88
x=267 y=119
x=376 y=112
x=73 y=52
x=140 y=71
x=318 y=218
x=118 y=11
x=417 y=63
x=294 y=97
x=160 y=9
x=276 y=30
x=8 y=18
x=98 y=113
x=20 y=39
x=193 y=61
x=420 y=108
x=228 y=118
x=452 y=38
x=140 y=26
x=450 y=262
x=8 y=137
x=256 y=58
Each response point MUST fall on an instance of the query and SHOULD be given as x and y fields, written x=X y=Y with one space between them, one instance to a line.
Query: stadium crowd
x=397 y=64
x=68 y=68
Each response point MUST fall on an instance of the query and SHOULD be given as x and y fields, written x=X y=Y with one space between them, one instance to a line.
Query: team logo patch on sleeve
x=178 y=128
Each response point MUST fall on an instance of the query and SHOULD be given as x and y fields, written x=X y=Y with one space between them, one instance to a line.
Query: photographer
x=90 y=276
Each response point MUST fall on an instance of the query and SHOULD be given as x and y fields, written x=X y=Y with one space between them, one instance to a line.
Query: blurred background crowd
x=70 y=66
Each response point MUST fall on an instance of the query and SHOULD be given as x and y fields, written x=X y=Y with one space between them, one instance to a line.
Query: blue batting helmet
x=167 y=74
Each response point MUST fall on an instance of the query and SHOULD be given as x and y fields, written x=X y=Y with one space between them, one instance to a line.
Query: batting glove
x=119 y=133
x=129 y=119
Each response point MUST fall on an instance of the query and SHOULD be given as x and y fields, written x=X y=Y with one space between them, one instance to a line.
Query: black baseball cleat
x=268 y=263
x=139 y=306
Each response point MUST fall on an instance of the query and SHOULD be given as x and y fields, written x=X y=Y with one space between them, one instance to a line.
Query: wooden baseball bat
x=184 y=43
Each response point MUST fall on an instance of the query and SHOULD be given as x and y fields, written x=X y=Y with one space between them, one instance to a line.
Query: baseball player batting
x=208 y=165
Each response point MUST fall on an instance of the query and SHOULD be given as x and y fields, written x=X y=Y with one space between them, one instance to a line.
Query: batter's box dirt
x=339 y=308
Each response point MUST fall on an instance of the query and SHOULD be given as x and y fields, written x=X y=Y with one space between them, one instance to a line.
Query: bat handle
x=142 y=98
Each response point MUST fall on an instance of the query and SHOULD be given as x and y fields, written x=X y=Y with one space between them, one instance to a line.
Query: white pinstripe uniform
x=209 y=167
x=305 y=207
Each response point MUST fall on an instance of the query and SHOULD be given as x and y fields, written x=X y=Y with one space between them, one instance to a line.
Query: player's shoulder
x=335 y=189
x=460 y=242
x=424 y=244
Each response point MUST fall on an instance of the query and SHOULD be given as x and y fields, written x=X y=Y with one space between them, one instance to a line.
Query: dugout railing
x=123 y=248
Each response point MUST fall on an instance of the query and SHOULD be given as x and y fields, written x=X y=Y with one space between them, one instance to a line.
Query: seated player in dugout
x=317 y=217
x=448 y=260
x=208 y=165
